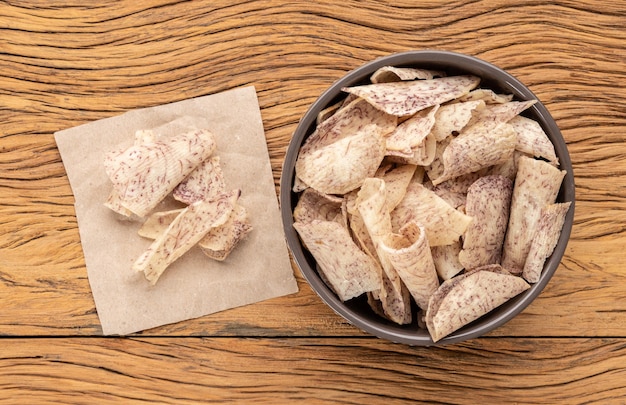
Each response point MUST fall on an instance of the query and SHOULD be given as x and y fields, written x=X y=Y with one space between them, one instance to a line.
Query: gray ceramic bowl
x=357 y=311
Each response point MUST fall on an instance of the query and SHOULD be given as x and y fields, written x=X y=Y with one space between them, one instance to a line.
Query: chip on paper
x=408 y=97
x=467 y=297
x=187 y=229
x=143 y=174
x=204 y=183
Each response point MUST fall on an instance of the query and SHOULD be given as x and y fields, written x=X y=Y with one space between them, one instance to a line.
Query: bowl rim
x=426 y=59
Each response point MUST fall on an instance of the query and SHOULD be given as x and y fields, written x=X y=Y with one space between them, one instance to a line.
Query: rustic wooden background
x=68 y=62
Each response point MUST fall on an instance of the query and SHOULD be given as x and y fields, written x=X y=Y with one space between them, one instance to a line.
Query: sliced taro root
x=396 y=182
x=204 y=183
x=446 y=259
x=411 y=142
x=387 y=74
x=488 y=96
x=546 y=236
x=345 y=149
x=501 y=112
x=488 y=202
x=481 y=145
x=408 y=97
x=469 y=296
x=444 y=224
x=450 y=119
x=220 y=241
x=348 y=270
x=410 y=255
x=144 y=174
x=314 y=205
x=537 y=184
x=187 y=229
x=532 y=140
x=372 y=206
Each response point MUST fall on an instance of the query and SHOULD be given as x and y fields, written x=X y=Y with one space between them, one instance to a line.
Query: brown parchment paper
x=258 y=269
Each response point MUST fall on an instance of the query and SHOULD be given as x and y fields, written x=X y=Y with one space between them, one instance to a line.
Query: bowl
x=357 y=311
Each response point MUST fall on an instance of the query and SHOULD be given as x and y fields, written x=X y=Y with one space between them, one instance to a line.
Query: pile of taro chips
x=194 y=285
x=427 y=188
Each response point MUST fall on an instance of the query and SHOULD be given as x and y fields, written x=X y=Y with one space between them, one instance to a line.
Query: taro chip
x=220 y=241
x=443 y=224
x=204 y=183
x=411 y=142
x=314 y=205
x=488 y=202
x=408 y=97
x=536 y=185
x=345 y=149
x=488 y=96
x=446 y=259
x=501 y=112
x=388 y=74
x=410 y=255
x=450 y=119
x=372 y=205
x=348 y=270
x=532 y=140
x=484 y=144
x=396 y=182
x=467 y=297
x=143 y=174
x=545 y=239
x=187 y=229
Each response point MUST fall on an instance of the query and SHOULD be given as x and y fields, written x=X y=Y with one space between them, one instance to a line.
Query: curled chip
x=348 y=270
x=536 y=185
x=467 y=297
x=446 y=259
x=408 y=97
x=143 y=174
x=409 y=253
x=444 y=225
x=488 y=201
x=346 y=148
x=187 y=229
x=372 y=205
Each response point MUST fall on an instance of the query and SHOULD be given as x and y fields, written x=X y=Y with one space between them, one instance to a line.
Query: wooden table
x=69 y=62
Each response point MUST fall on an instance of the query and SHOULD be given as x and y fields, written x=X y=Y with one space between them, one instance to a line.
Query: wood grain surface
x=68 y=62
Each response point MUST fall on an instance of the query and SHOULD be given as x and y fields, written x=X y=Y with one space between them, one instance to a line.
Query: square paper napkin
x=259 y=267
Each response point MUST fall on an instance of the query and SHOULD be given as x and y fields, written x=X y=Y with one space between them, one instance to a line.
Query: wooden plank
x=325 y=371
x=61 y=67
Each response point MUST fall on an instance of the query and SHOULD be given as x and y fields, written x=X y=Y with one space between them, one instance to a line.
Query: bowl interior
x=357 y=311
